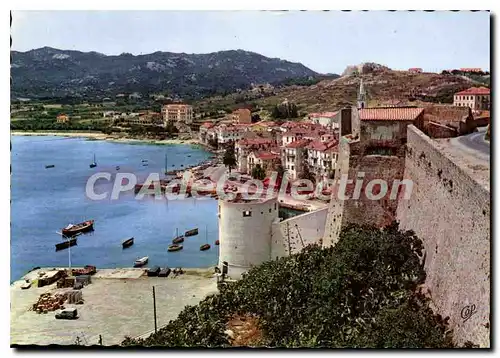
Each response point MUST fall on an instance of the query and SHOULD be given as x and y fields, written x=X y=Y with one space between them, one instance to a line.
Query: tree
x=258 y=172
x=229 y=158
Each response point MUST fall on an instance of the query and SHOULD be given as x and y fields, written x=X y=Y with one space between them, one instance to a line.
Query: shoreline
x=108 y=138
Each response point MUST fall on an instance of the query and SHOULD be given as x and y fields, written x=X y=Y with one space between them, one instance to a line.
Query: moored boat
x=93 y=164
x=217 y=242
x=65 y=244
x=175 y=247
x=191 y=232
x=178 y=240
x=141 y=262
x=128 y=243
x=73 y=229
x=204 y=247
x=49 y=166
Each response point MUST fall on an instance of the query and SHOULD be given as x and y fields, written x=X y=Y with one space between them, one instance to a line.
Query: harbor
x=45 y=201
x=110 y=293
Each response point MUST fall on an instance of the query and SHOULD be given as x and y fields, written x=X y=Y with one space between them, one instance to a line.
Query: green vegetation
x=361 y=293
x=229 y=158
x=258 y=172
x=284 y=111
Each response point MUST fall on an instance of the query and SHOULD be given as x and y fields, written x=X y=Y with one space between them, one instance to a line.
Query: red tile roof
x=321 y=146
x=390 y=114
x=207 y=125
x=255 y=141
x=302 y=143
x=474 y=91
x=266 y=155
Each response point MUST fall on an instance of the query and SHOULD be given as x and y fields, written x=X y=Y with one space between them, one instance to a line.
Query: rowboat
x=128 y=243
x=175 y=247
x=141 y=262
x=65 y=244
x=49 y=166
x=93 y=164
x=73 y=229
x=204 y=247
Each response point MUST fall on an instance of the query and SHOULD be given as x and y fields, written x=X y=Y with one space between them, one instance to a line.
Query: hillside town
x=224 y=199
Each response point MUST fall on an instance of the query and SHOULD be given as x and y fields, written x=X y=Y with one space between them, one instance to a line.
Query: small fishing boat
x=175 y=247
x=178 y=238
x=141 y=262
x=189 y=155
x=204 y=247
x=72 y=229
x=191 y=232
x=65 y=244
x=217 y=242
x=49 y=166
x=207 y=245
x=145 y=164
x=93 y=164
x=117 y=167
x=128 y=243
x=144 y=160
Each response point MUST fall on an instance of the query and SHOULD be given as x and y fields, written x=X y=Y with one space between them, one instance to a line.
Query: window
x=292 y=168
x=247 y=213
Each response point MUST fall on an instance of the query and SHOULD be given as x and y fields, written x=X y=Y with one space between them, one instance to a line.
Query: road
x=474 y=144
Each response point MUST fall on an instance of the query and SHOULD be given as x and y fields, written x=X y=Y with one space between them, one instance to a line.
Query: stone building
x=268 y=160
x=294 y=156
x=245 y=146
x=242 y=116
x=62 y=118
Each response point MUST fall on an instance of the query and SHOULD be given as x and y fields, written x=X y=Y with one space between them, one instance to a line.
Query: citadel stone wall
x=292 y=235
x=450 y=212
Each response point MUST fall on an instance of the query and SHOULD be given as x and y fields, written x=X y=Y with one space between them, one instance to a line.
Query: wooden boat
x=65 y=244
x=117 y=167
x=49 y=166
x=207 y=245
x=175 y=247
x=191 y=232
x=178 y=240
x=145 y=164
x=141 y=262
x=204 y=247
x=217 y=242
x=93 y=164
x=144 y=160
x=72 y=230
x=128 y=243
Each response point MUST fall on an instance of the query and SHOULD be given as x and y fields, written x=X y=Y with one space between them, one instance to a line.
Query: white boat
x=141 y=262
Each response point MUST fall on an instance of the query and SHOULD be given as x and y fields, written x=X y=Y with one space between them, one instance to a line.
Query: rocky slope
x=52 y=72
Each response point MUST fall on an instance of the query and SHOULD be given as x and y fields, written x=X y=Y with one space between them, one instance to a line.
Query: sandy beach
x=107 y=137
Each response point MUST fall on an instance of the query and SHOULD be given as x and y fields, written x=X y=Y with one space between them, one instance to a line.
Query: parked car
x=164 y=272
x=68 y=313
x=154 y=271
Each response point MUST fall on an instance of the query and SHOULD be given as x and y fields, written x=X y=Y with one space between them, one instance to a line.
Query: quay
x=117 y=303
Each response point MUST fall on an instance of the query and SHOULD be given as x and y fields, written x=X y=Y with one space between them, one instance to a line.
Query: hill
x=381 y=83
x=50 y=72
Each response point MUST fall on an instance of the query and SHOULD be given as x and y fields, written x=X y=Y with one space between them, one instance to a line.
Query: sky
x=325 y=42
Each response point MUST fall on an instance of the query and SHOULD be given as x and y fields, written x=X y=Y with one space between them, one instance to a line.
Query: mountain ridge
x=49 y=71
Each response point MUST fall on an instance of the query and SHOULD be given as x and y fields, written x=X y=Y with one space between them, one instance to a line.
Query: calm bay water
x=45 y=200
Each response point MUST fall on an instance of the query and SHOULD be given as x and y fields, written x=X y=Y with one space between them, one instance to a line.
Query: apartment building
x=177 y=113
x=322 y=157
x=293 y=157
x=476 y=98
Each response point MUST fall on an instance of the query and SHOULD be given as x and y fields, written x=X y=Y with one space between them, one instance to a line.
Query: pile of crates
x=48 y=302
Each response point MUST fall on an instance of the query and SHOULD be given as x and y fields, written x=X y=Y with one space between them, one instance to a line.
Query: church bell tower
x=361 y=95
